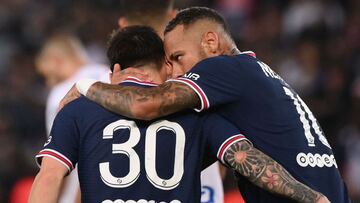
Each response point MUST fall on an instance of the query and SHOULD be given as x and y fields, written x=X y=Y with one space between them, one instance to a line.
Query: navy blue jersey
x=273 y=117
x=123 y=159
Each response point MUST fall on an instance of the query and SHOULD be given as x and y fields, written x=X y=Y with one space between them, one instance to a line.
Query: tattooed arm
x=266 y=173
x=144 y=103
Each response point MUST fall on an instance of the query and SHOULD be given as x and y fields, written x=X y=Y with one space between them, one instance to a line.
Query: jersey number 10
x=127 y=148
x=300 y=107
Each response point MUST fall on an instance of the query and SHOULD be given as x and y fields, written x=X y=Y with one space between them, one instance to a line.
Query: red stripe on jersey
x=134 y=79
x=198 y=89
x=250 y=53
x=227 y=143
x=58 y=156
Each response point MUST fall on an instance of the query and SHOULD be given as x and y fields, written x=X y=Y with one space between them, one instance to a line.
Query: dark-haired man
x=156 y=15
x=242 y=89
x=124 y=160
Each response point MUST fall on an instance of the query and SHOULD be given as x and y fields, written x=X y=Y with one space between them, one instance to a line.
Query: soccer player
x=124 y=160
x=63 y=61
x=156 y=15
x=245 y=91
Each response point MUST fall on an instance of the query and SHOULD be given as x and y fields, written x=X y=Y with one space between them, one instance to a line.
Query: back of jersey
x=273 y=117
x=288 y=131
x=124 y=160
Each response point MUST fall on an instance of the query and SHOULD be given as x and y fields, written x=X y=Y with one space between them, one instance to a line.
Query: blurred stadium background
x=313 y=44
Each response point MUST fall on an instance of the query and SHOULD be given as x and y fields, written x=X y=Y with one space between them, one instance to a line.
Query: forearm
x=45 y=189
x=266 y=173
x=143 y=103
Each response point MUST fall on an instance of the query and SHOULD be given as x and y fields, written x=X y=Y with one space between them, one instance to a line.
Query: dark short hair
x=135 y=46
x=138 y=9
x=190 y=15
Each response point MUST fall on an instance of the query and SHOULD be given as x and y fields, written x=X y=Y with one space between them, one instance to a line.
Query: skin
x=51 y=73
x=47 y=184
x=186 y=46
x=52 y=173
x=266 y=173
x=241 y=157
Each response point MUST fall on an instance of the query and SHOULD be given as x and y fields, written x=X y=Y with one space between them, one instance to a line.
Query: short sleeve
x=62 y=144
x=218 y=80
x=220 y=135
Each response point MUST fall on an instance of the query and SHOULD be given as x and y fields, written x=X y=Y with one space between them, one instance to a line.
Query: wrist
x=84 y=85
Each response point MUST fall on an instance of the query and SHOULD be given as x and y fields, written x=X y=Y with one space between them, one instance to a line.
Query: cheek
x=189 y=63
x=169 y=69
x=166 y=74
x=177 y=71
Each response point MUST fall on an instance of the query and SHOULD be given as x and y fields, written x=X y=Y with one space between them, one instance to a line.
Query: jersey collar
x=250 y=53
x=135 y=80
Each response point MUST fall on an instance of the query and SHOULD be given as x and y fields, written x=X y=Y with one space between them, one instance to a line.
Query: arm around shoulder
x=144 y=103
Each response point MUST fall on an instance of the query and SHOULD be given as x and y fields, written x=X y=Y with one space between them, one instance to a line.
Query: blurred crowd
x=313 y=44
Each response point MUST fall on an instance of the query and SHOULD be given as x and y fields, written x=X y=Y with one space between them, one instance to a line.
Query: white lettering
x=301 y=159
x=268 y=71
x=192 y=76
x=311 y=159
x=48 y=140
x=319 y=162
x=316 y=160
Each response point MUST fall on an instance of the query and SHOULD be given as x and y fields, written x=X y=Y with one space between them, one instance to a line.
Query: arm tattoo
x=144 y=103
x=266 y=173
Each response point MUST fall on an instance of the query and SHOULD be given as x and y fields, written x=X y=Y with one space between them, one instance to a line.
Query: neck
x=231 y=52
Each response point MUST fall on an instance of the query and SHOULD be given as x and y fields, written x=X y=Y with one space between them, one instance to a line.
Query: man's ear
x=123 y=22
x=172 y=13
x=210 y=43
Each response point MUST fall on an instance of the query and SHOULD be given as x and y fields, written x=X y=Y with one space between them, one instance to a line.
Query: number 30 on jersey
x=127 y=148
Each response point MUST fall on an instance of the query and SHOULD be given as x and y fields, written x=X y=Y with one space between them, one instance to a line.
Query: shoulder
x=77 y=107
x=213 y=61
x=220 y=62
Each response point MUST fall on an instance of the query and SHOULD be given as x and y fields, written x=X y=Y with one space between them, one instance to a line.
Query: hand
x=323 y=199
x=119 y=75
x=72 y=94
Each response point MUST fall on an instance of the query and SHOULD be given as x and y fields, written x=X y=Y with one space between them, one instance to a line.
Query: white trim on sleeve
x=227 y=143
x=55 y=155
x=203 y=98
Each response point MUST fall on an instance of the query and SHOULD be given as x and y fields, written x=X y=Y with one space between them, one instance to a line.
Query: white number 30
x=127 y=148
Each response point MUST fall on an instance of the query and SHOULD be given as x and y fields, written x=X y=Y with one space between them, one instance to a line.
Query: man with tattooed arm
x=245 y=91
x=124 y=160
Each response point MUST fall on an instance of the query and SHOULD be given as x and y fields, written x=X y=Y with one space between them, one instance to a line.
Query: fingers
x=117 y=68
x=323 y=199
x=119 y=75
x=69 y=97
x=138 y=73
